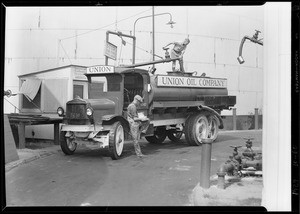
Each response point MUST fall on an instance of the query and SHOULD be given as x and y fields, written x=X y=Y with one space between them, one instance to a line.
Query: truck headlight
x=89 y=112
x=60 y=111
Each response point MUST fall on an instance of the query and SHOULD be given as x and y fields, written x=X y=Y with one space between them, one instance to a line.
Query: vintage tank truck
x=176 y=104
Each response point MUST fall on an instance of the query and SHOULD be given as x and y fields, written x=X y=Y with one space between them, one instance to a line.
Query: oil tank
x=183 y=87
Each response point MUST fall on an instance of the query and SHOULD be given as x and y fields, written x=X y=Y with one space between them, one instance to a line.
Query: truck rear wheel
x=213 y=127
x=67 y=144
x=174 y=135
x=159 y=136
x=116 y=141
x=196 y=128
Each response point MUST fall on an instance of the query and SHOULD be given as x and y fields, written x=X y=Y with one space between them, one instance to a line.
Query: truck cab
x=118 y=89
x=101 y=121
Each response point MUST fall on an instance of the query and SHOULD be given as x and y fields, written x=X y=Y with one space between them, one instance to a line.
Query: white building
x=38 y=39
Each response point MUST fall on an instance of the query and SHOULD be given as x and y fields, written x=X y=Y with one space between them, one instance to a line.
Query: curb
x=233 y=131
x=38 y=155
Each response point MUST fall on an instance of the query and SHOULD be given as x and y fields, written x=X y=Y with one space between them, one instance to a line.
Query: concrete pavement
x=245 y=192
x=27 y=155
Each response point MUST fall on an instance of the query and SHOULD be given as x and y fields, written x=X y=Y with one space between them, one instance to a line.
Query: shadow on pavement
x=223 y=138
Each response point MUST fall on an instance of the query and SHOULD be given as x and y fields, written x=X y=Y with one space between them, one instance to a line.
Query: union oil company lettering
x=195 y=82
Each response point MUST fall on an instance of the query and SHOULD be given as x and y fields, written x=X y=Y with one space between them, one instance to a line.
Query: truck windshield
x=105 y=83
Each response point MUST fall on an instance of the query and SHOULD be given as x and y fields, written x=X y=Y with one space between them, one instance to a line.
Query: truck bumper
x=87 y=134
x=81 y=128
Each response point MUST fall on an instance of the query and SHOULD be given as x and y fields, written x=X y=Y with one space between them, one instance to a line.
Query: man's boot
x=137 y=149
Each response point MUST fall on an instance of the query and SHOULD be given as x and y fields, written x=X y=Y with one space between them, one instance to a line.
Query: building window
x=33 y=104
x=31 y=90
x=78 y=91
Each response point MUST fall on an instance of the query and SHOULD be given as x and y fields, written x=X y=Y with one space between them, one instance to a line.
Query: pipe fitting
x=241 y=59
x=253 y=39
x=221 y=180
x=225 y=168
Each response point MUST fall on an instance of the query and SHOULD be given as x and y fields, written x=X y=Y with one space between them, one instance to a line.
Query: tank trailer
x=176 y=103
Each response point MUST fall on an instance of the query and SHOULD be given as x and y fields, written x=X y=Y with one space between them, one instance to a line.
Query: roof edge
x=51 y=69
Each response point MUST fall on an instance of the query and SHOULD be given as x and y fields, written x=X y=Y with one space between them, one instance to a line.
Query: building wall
x=44 y=38
x=277 y=188
x=56 y=88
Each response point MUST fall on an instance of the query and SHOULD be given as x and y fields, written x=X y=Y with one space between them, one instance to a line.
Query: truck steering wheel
x=127 y=94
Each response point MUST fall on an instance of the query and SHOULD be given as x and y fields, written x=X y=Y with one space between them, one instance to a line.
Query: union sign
x=100 y=69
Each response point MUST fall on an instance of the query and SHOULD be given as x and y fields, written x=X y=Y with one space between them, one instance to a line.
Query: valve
x=255 y=36
x=8 y=93
x=235 y=156
x=235 y=151
x=249 y=163
x=248 y=153
x=248 y=142
x=167 y=54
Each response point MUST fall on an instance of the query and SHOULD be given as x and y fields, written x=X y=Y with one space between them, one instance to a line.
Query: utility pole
x=153 y=41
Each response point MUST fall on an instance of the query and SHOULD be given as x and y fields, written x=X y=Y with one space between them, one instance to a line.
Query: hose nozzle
x=241 y=59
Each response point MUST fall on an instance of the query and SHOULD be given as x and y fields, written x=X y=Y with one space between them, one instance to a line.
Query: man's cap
x=138 y=98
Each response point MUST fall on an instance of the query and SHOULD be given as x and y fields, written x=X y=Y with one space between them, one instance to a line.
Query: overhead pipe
x=150 y=63
x=254 y=39
x=171 y=23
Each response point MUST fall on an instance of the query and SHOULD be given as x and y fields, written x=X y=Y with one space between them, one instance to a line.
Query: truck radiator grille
x=76 y=114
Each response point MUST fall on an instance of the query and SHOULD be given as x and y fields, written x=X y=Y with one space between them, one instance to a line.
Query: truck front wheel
x=159 y=136
x=196 y=128
x=116 y=141
x=67 y=144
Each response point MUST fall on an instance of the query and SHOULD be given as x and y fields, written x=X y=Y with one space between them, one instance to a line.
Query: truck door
x=135 y=84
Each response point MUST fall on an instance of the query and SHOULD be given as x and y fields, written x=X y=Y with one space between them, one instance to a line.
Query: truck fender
x=206 y=108
x=111 y=119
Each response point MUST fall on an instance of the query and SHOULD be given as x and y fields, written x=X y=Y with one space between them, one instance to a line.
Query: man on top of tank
x=177 y=52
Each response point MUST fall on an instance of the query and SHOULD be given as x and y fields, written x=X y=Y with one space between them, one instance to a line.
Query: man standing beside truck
x=137 y=124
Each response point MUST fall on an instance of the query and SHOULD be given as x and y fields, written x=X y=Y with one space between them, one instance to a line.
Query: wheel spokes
x=212 y=127
x=200 y=129
x=119 y=140
x=71 y=143
x=178 y=134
